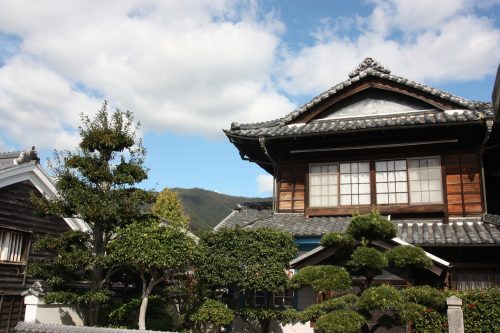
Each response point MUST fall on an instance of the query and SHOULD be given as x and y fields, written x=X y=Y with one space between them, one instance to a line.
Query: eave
x=33 y=172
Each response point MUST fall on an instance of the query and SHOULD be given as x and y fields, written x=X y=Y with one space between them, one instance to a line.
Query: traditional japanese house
x=425 y=158
x=21 y=175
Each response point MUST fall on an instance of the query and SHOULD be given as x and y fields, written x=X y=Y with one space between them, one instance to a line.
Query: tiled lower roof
x=54 y=328
x=428 y=117
x=427 y=232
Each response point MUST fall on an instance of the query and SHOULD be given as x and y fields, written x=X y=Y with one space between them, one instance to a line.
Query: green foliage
x=382 y=297
x=314 y=311
x=245 y=259
x=322 y=278
x=168 y=206
x=153 y=248
x=82 y=298
x=96 y=184
x=71 y=256
x=389 y=300
x=407 y=255
x=157 y=252
x=337 y=240
x=481 y=310
x=340 y=321
x=266 y=314
x=214 y=314
x=426 y=296
x=367 y=261
x=371 y=227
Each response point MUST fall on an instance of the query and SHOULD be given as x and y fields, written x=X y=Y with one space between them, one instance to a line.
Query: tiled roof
x=54 y=328
x=296 y=224
x=459 y=231
x=474 y=111
x=361 y=123
x=7 y=159
x=464 y=231
x=13 y=158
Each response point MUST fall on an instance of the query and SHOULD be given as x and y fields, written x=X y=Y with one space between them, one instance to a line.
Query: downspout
x=262 y=142
x=489 y=127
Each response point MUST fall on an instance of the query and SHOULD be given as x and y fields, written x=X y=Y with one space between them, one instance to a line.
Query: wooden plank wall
x=463 y=184
x=11 y=312
x=17 y=213
x=291 y=188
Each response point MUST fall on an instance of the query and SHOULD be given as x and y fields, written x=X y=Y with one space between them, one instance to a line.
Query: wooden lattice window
x=11 y=246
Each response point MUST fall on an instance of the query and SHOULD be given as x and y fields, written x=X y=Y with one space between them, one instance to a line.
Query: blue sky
x=188 y=68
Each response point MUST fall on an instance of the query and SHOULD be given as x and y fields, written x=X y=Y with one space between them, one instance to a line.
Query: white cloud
x=38 y=107
x=188 y=66
x=422 y=40
x=265 y=183
x=194 y=66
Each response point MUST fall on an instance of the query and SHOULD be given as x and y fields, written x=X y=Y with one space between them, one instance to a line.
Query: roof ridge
x=368 y=67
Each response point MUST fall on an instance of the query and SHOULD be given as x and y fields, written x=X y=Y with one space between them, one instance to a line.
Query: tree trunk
x=96 y=275
x=146 y=291
x=142 y=312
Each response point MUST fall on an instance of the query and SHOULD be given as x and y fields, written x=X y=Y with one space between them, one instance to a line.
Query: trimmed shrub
x=341 y=321
x=407 y=255
x=336 y=239
x=371 y=227
x=322 y=278
x=367 y=261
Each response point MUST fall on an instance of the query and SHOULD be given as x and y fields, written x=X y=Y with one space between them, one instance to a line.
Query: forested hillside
x=207 y=208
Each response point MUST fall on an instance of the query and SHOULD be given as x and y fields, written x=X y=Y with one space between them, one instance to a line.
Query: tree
x=357 y=253
x=211 y=315
x=96 y=184
x=246 y=263
x=158 y=253
x=168 y=206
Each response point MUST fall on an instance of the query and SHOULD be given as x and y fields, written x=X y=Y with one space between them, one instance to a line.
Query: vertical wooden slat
x=9 y=318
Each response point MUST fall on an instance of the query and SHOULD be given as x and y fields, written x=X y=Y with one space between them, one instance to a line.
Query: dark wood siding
x=17 y=214
x=11 y=312
x=291 y=188
x=463 y=184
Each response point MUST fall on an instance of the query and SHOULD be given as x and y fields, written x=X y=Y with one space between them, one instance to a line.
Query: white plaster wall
x=240 y=326
x=39 y=312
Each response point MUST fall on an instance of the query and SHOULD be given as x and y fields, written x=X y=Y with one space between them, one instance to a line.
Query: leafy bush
x=371 y=227
x=382 y=297
x=213 y=314
x=427 y=296
x=314 y=311
x=407 y=255
x=335 y=239
x=367 y=261
x=322 y=278
x=341 y=321
x=481 y=310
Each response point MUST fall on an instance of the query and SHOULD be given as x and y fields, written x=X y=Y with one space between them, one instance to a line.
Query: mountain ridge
x=207 y=208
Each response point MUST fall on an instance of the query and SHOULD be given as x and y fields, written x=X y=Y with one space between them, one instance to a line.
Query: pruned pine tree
x=95 y=183
x=357 y=255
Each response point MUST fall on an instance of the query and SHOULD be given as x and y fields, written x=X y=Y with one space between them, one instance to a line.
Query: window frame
x=23 y=246
x=338 y=184
x=373 y=183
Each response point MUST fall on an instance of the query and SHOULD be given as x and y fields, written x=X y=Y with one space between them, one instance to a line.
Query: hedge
x=481 y=313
